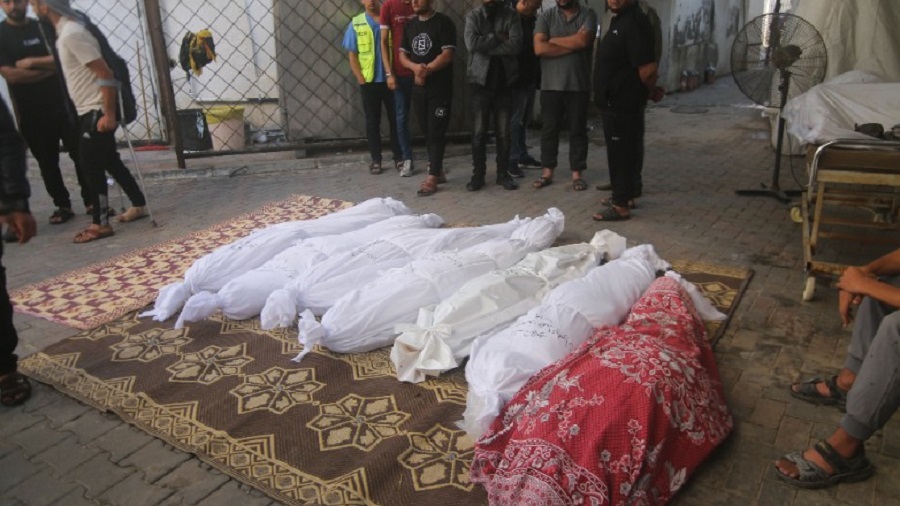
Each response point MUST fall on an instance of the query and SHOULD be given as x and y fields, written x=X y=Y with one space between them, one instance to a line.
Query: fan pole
x=774 y=189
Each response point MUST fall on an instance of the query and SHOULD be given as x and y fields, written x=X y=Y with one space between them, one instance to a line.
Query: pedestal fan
x=776 y=57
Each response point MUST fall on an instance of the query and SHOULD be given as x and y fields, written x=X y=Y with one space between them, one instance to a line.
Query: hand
x=657 y=94
x=504 y=36
x=25 y=63
x=106 y=123
x=421 y=72
x=419 y=81
x=846 y=301
x=391 y=83
x=22 y=224
x=854 y=280
x=361 y=80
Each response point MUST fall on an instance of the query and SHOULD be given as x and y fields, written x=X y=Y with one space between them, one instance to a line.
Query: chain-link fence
x=124 y=24
x=280 y=81
x=280 y=73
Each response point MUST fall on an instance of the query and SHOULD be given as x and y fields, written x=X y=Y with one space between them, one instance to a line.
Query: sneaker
x=515 y=171
x=10 y=236
x=475 y=184
x=507 y=183
x=406 y=170
x=530 y=161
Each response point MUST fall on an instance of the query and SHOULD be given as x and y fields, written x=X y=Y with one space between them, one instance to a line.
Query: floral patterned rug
x=332 y=429
x=105 y=291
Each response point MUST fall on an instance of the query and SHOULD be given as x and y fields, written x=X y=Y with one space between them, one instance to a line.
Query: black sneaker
x=530 y=161
x=507 y=183
x=515 y=170
x=10 y=236
x=475 y=184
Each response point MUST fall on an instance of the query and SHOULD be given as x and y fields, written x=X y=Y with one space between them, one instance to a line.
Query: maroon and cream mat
x=105 y=291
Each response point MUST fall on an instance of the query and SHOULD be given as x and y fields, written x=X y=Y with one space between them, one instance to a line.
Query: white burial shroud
x=244 y=296
x=319 y=288
x=364 y=319
x=443 y=334
x=502 y=362
x=213 y=270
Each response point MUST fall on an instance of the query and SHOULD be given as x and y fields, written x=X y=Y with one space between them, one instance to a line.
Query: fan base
x=783 y=196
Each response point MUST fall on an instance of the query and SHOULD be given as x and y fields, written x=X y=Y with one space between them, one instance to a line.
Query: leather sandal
x=579 y=185
x=14 y=389
x=542 y=182
x=93 y=234
x=427 y=188
x=61 y=216
x=844 y=469
x=608 y=203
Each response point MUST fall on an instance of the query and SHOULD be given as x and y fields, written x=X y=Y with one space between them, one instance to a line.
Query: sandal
x=93 y=234
x=61 y=216
x=542 y=182
x=608 y=203
x=132 y=214
x=846 y=470
x=807 y=391
x=427 y=188
x=579 y=185
x=610 y=214
x=375 y=168
x=14 y=389
x=442 y=178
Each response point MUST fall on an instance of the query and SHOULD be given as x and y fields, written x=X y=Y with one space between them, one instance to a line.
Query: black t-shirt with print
x=628 y=44
x=423 y=41
x=26 y=41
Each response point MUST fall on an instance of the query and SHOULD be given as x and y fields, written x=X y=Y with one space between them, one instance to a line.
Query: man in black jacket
x=14 y=193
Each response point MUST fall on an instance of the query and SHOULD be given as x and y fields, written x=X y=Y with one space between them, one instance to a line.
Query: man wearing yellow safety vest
x=363 y=44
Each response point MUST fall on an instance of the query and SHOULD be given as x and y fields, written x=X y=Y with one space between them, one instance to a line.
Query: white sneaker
x=406 y=170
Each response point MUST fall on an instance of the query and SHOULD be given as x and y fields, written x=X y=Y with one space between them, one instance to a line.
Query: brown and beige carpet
x=103 y=292
x=334 y=429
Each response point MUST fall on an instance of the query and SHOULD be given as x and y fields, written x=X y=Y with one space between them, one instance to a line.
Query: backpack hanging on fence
x=120 y=70
x=197 y=50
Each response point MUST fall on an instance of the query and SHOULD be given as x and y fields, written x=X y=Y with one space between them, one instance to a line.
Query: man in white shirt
x=92 y=87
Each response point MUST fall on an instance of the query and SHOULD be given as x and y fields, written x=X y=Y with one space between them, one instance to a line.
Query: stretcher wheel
x=796 y=215
x=809 y=290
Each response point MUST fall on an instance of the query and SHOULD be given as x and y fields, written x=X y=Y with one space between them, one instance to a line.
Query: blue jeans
x=487 y=103
x=402 y=100
x=522 y=102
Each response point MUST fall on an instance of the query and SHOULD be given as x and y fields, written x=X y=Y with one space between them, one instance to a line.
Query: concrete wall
x=696 y=33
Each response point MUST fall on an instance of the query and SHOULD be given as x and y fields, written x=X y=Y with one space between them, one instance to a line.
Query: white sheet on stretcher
x=830 y=110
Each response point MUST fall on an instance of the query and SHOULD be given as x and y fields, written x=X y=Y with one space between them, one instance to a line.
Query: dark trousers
x=624 y=152
x=559 y=109
x=98 y=154
x=433 y=110
x=521 y=105
x=487 y=103
x=43 y=126
x=8 y=337
x=374 y=96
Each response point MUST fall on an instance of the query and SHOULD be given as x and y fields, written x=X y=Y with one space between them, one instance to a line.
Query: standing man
x=493 y=37
x=394 y=16
x=363 y=44
x=624 y=79
x=563 y=39
x=14 y=192
x=524 y=89
x=93 y=89
x=30 y=71
x=429 y=41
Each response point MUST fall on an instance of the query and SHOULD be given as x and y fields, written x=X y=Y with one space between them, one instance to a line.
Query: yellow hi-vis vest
x=365 y=43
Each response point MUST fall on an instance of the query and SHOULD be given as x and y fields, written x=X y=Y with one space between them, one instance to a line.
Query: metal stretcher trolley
x=848 y=172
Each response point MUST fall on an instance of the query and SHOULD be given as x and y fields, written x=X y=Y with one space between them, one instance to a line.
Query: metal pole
x=166 y=91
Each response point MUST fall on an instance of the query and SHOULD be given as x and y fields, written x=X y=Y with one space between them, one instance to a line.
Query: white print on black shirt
x=421 y=45
x=31 y=42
